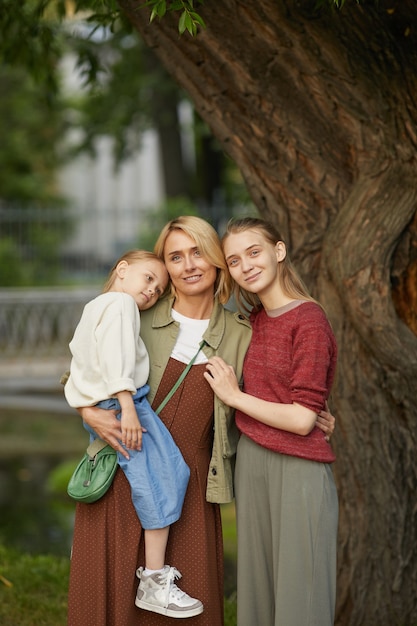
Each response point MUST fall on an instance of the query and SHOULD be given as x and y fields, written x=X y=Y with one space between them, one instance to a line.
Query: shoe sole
x=169 y=612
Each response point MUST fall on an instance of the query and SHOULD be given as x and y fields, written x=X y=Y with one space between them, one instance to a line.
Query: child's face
x=144 y=280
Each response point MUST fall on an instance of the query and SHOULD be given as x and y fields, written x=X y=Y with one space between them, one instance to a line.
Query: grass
x=33 y=590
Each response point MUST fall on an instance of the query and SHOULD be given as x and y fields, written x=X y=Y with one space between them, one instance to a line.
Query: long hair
x=132 y=256
x=208 y=242
x=291 y=283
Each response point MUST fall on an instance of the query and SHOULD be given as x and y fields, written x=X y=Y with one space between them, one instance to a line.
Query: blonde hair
x=132 y=256
x=291 y=283
x=208 y=242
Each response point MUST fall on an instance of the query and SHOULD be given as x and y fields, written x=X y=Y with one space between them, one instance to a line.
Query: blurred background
x=99 y=148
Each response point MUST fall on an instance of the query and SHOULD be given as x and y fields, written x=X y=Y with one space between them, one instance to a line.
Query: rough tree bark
x=318 y=110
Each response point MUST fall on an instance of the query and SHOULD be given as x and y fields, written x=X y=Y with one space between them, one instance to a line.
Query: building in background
x=105 y=202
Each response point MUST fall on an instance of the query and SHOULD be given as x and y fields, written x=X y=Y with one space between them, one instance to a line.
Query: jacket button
x=214 y=471
x=241 y=317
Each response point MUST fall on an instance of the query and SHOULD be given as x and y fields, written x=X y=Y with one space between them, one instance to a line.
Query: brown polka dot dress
x=108 y=539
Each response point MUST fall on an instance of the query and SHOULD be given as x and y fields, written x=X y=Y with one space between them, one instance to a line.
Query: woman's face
x=190 y=273
x=253 y=261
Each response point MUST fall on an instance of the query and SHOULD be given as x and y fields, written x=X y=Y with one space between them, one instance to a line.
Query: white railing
x=39 y=323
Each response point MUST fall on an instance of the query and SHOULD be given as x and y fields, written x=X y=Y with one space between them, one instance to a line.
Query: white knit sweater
x=108 y=354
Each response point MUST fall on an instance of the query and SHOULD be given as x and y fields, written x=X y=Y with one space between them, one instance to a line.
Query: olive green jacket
x=228 y=336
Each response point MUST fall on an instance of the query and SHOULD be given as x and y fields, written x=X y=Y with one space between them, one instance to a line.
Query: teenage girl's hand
x=106 y=425
x=222 y=379
x=326 y=422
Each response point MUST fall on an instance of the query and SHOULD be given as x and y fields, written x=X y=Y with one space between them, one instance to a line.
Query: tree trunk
x=317 y=108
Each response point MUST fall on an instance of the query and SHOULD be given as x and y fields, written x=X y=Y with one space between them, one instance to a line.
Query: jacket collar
x=216 y=328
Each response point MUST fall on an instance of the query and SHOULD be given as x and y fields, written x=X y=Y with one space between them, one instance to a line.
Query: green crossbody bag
x=94 y=473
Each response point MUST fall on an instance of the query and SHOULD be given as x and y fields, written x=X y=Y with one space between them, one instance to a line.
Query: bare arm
x=290 y=417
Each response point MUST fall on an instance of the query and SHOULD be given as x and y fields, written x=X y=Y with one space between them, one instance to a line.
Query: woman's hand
x=106 y=425
x=326 y=422
x=222 y=379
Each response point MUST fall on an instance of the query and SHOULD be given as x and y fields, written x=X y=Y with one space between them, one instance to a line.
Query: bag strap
x=98 y=444
x=95 y=447
x=180 y=379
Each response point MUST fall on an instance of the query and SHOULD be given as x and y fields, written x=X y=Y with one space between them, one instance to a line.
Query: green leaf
x=197 y=18
x=182 y=22
x=161 y=8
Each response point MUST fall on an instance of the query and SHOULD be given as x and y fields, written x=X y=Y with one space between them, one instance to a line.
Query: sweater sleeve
x=313 y=358
x=116 y=337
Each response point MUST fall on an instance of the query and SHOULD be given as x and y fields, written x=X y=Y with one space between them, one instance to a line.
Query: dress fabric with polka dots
x=108 y=539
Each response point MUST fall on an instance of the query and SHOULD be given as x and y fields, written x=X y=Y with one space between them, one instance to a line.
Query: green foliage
x=189 y=19
x=27 y=40
x=31 y=127
x=59 y=478
x=28 y=149
x=229 y=530
x=118 y=104
x=33 y=589
x=230 y=606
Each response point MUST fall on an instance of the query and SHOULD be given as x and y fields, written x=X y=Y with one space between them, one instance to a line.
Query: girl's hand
x=131 y=429
x=326 y=422
x=222 y=379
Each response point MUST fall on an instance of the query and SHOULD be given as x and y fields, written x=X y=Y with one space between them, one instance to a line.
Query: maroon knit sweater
x=291 y=358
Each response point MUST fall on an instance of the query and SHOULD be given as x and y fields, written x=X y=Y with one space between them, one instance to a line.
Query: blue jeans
x=157 y=474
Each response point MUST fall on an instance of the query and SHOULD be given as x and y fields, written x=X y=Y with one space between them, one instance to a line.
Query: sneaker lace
x=175 y=591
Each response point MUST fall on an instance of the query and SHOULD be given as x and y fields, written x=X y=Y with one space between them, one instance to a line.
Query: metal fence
x=38 y=323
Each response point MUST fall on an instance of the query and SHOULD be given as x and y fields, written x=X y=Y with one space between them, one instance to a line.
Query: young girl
x=286 y=500
x=109 y=369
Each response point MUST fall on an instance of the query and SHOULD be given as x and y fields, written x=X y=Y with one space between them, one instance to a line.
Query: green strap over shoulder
x=180 y=379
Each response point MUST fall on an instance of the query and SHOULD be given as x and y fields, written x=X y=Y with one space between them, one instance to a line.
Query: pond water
x=37 y=453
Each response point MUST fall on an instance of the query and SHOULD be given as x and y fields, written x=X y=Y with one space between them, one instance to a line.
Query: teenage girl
x=286 y=499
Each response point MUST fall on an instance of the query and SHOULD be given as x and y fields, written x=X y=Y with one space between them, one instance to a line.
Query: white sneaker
x=159 y=593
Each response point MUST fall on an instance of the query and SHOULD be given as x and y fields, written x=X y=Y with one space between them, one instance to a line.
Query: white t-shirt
x=108 y=355
x=189 y=338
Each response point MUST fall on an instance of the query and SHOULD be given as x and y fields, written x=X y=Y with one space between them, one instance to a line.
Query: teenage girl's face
x=253 y=261
x=144 y=280
x=190 y=273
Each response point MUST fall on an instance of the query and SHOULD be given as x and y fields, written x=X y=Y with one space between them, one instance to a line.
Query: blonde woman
x=110 y=369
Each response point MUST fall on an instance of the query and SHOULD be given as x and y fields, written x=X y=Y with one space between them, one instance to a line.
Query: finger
x=121 y=450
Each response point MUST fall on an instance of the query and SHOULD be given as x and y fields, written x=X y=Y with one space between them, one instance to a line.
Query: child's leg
x=157 y=591
x=155 y=546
